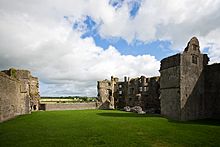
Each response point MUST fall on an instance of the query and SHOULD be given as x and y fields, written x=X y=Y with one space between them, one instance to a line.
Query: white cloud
x=65 y=63
x=211 y=41
x=176 y=21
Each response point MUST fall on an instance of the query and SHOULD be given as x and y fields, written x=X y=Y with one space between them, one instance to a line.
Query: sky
x=71 y=44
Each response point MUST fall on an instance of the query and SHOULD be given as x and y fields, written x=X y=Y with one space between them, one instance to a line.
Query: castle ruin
x=187 y=89
x=19 y=93
x=141 y=91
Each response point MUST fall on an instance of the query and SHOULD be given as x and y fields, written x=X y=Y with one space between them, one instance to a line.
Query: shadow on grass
x=126 y=114
x=210 y=122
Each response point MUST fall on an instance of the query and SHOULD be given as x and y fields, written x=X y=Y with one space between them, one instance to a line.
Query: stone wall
x=182 y=85
x=8 y=98
x=212 y=90
x=106 y=93
x=190 y=89
x=170 y=86
x=14 y=99
x=34 y=93
x=120 y=94
x=73 y=106
x=143 y=92
x=192 y=83
x=171 y=61
x=150 y=94
x=133 y=94
x=16 y=93
x=170 y=91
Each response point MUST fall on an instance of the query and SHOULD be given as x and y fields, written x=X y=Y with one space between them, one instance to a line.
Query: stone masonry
x=187 y=87
x=143 y=92
x=106 y=91
x=18 y=93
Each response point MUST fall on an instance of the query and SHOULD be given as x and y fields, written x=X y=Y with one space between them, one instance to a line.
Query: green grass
x=105 y=128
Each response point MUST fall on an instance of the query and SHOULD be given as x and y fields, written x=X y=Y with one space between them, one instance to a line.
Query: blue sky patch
x=116 y=3
x=133 y=5
x=157 y=48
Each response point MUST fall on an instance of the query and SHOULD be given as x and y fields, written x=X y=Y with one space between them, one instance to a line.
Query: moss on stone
x=13 y=72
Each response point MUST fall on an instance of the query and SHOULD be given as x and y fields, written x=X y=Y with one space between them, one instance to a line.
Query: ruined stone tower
x=182 y=83
x=106 y=90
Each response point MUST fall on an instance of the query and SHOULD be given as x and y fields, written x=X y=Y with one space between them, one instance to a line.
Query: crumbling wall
x=34 y=93
x=150 y=94
x=120 y=94
x=106 y=91
x=103 y=94
x=15 y=93
x=133 y=95
x=143 y=92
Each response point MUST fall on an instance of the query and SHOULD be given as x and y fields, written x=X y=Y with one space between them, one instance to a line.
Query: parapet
x=171 y=61
x=103 y=84
x=18 y=74
x=5 y=75
x=23 y=74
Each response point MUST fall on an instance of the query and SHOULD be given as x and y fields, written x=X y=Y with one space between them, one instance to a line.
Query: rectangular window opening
x=194 y=59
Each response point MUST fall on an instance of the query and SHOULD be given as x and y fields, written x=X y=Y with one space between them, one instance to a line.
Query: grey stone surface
x=106 y=93
x=17 y=90
x=186 y=85
x=141 y=91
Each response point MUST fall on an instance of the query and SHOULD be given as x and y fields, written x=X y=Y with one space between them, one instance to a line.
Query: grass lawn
x=105 y=128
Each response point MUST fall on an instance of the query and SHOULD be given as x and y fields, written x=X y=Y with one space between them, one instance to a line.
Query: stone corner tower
x=182 y=83
x=106 y=90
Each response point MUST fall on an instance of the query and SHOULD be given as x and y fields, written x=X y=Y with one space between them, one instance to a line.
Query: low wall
x=73 y=106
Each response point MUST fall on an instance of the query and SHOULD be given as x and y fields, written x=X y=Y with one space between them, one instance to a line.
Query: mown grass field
x=105 y=128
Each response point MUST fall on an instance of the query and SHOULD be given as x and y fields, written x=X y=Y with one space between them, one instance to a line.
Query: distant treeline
x=75 y=98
